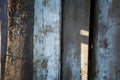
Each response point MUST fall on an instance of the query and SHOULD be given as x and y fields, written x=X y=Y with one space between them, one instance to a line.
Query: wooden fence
x=60 y=39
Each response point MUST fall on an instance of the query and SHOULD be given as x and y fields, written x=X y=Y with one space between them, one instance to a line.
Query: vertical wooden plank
x=0 y=48
x=76 y=15
x=20 y=35
x=108 y=39
x=47 y=39
x=0 y=40
x=4 y=25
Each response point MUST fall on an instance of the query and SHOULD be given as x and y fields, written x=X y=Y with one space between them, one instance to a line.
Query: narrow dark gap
x=91 y=40
x=61 y=57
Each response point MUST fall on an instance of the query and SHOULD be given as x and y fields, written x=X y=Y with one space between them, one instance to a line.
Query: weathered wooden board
x=108 y=39
x=20 y=40
x=4 y=23
x=0 y=40
x=0 y=49
x=47 y=39
x=76 y=15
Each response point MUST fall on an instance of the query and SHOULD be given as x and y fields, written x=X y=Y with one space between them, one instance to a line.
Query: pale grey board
x=76 y=14
x=107 y=66
x=47 y=28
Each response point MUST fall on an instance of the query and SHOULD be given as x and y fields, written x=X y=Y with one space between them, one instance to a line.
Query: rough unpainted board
x=75 y=39
x=20 y=37
x=108 y=39
x=47 y=39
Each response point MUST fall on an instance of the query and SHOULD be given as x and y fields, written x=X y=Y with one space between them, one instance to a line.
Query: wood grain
x=76 y=14
x=107 y=44
x=47 y=30
x=20 y=40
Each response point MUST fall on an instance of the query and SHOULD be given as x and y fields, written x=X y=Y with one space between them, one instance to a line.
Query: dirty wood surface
x=47 y=30
x=107 y=64
x=20 y=34
x=76 y=15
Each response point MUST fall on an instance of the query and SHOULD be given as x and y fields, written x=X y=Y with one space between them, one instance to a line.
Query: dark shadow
x=92 y=40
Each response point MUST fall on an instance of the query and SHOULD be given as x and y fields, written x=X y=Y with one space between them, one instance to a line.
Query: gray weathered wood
x=47 y=39
x=76 y=15
x=108 y=39
x=4 y=21
x=19 y=48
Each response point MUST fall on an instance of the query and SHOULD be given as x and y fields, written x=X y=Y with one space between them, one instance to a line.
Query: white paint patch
x=84 y=61
x=47 y=39
x=84 y=33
